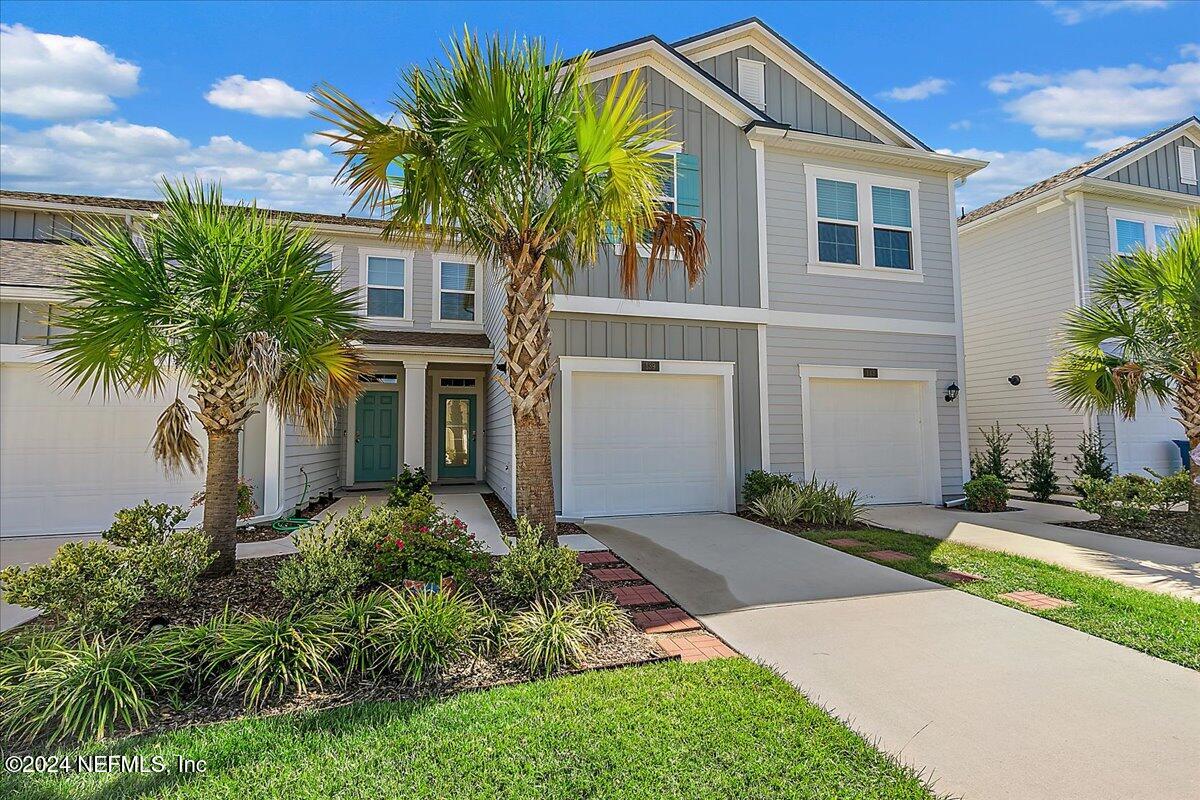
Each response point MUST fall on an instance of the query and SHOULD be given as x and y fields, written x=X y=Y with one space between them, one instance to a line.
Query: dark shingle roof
x=24 y=263
x=1068 y=175
x=425 y=339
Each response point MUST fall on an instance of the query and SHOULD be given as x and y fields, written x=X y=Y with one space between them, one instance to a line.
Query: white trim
x=457 y=324
x=352 y=422
x=416 y=375
x=760 y=177
x=275 y=457
x=23 y=354
x=1147 y=220
x=1191 y=127
x=932 y=469
x=802 y=69
x=1078 y=246
x=1187 y=165
x=364 y=255
x=32 y=294
x=959 y=336
x=653 y=54
x=865 y=224
x=764 y=400
x=864 y=152
x=569 y=365
x=747 y=70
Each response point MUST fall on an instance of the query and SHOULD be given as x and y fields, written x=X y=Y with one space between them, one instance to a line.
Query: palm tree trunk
x=1187 y=403
x=530 y=375
x=220 y=499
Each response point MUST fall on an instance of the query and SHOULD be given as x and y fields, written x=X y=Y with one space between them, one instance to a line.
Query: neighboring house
x=823 y=339
x=1030 y=257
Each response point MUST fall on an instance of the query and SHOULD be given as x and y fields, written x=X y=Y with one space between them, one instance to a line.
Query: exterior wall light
x=1015 y=380
x=952 y=393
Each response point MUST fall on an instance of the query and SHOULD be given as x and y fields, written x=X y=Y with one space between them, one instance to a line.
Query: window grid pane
x=385 y=271
x=325 y=264
x=837 y=200
x=1163 y=235
x=458 y=276
x=1130 y=236
x=385 y=302
x=893 y=249
x=891 y=207
x=837 y=244
x=458 y=306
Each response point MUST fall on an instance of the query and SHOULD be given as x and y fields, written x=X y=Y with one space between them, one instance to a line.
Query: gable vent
x=1187 y=165
x=752 y=83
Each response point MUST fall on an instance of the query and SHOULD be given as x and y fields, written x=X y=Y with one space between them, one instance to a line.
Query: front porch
x=422 y=406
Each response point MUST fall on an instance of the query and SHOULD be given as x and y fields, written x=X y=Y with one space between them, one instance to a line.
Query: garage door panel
x=868 y=436
x=646 y=444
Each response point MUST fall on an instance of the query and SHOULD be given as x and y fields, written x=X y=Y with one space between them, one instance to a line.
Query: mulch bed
x=1164 y=527
x=796 y=527
x=265 y=533
x=508 y=526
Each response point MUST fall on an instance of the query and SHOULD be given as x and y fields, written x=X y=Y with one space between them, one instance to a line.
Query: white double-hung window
x=456 y=290
x=1133 y=230
x=386 y=277
x=862 y=225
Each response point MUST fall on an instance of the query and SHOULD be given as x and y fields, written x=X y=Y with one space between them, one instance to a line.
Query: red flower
x=399 y=545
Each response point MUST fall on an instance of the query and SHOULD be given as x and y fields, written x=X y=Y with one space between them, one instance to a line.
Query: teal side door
x=375 y=440
x=456 y=442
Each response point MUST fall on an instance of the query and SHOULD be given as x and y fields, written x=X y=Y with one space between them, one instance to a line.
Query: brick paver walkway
x=665 y=620
x=889 y=555
x=614 y=575
x=1036 y=600
x=696 y=647
x=643 y=595
x=954 y=576
x=598 y=557
x=845 y=543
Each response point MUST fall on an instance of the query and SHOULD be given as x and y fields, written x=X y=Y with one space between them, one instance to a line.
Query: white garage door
x=67 y=463
x=645 y=444
x=867 y=435
x=1147 y=440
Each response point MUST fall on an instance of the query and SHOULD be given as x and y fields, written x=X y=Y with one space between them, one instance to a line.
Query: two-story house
x=1030 y=257
x=825 y=337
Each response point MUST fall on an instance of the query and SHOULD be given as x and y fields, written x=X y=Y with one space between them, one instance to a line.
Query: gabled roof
x=1099 y=167
x=728 y=35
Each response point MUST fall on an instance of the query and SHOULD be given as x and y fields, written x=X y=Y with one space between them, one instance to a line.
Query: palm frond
x=173 y=444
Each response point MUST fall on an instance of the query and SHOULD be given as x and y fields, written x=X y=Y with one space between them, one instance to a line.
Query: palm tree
x=513 y=155
x=1140 y=338
x=224 y=300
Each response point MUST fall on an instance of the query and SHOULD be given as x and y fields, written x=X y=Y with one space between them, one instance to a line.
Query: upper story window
x=386 y=277
x=861 y=224
x=456 y=291
x=752 y=82
x=1132 y=231
x=679 y=192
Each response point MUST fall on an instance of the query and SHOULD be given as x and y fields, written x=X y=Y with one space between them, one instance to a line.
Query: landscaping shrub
x=167 y=560
x=1091 y=460
x=549 y=636
x=813 y=503
x=1171 y=490
x=326 y=565
x=410 y=481
x=421 y=632
x=598 y=615
x=782 y=505
x=144 y=524
x=759 y=483
x=532 y=567
x=263 y=658
x=491 y=622
x=1038 y=470
x=1124 y=501
x=357 y=619
x=993 y=459
x=986 y=493
x=90 y=585
x=24 y=653
x=89 y=689
x=246 y=507
x=428 y=552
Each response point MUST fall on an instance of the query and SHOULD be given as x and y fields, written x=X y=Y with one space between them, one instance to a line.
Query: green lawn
x=719 y=729
x=1161 y=625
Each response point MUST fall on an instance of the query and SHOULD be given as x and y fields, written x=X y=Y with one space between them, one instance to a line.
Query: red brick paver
x=1036 y=600
x=695 y=647
x=665 y=620
x=599 y=557
x=845 y=542
x=614 y=575
x=889 y=555
x=954 y=576
x=643 y=595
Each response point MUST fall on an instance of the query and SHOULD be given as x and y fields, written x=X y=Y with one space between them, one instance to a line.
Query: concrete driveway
x=994 y=702
x=1031 y=532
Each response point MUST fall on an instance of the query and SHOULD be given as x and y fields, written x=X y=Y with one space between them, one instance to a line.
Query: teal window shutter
x=891 y=207
x=837 y=200
x=611 y=234
x=687 y=184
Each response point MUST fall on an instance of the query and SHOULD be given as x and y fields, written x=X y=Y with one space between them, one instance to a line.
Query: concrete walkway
x=1163 y=568
x=994 y=702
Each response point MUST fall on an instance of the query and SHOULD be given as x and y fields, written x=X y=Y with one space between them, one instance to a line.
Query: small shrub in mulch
x=1164 y=527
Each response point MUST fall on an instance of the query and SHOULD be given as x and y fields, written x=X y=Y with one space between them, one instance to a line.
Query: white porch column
x=414 y=413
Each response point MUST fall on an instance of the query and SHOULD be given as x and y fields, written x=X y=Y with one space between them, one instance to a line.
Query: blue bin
x=1185 y=452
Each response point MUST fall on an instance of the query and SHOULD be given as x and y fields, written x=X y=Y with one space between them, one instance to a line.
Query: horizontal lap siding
x=728 y=204
x=792 y=288
x=1018 y=279
x=498 y=422
x=322 y=461
x=607 y=337
x=788 y=348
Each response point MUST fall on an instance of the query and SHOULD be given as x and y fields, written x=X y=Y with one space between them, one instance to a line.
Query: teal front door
x=375 y=419
x=456 y=444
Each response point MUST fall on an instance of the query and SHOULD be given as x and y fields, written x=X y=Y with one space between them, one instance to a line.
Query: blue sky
x=105 y=97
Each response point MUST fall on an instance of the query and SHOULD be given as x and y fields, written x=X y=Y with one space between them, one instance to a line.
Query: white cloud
x=961 y=125
x=1110 y=143
x=919 y=90
x=1075 y=13
x=47 y=76
x=1098 y=102
x=123 y=159
x=264 y=97
x=1009 y=171
x=1191 y=50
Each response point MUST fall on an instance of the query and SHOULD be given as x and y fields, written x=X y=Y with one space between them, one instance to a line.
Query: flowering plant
x=429 y=551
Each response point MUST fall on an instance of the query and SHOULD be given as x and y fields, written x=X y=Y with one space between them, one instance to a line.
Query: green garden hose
x=289 y=524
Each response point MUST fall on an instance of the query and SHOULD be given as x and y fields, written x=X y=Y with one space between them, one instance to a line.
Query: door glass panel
x=458 y=432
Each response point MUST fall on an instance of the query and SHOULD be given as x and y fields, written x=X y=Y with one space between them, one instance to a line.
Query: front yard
x=1162 y=626
x=717 y=729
